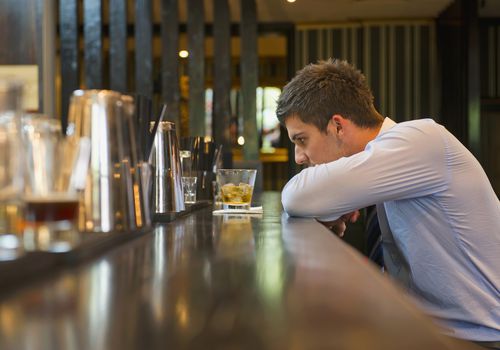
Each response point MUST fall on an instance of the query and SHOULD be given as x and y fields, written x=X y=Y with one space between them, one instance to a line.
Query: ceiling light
x=290 y=0
x=183 y=53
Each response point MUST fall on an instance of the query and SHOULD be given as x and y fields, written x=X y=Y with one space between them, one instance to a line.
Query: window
x=268 y=125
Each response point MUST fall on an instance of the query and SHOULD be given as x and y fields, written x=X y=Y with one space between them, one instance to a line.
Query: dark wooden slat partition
x=293 y=167
x=249 y=77
x=459 y=66
x=143 y=48
x=38 y=8
x=18 y=32
x=169 y=59
x=473 y=74
x=196 y=67
x=222 y=78
x=92 y=35
x=68 y=31
x=118 y=45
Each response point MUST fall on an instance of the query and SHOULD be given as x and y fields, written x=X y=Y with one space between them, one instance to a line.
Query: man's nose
x=300 y=156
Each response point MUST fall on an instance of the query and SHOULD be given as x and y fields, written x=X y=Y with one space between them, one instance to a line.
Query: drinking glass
x=236 y=187
x=51 y=202
x=189 y=178
x=217 y=201
x=11 y=158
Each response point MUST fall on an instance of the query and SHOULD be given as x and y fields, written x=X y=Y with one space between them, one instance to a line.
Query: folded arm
x=390 y=168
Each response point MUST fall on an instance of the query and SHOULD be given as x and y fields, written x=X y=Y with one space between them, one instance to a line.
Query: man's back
x=449 y=236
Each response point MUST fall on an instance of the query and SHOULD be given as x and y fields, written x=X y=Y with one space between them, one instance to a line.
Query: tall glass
x=189 y=177
x=11 y=158
x=236 y=187
x=51 y=203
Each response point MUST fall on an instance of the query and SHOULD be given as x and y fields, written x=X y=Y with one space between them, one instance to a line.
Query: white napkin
x=252 y=210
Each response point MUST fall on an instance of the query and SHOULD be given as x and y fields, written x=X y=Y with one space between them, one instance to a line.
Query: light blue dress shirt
x=441 y=213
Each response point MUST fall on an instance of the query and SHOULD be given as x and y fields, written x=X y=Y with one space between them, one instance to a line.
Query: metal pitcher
x=113 y=197
x=167 y=183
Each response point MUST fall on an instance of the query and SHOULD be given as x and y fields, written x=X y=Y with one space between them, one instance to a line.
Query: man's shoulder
x=418 y=127
x=423 y=135
x=423 y=122
x=425 y=127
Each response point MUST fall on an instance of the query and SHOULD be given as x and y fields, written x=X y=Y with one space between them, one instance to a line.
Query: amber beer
x=54 y=208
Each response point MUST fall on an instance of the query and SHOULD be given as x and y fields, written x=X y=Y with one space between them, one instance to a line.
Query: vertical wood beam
x=249 y=78
x=222 y=78
x=48 y=66
x=18 y=31
x=118 y=45
x=40 y=35
x=47 y=49
x=196 y=67
x=92 y=34
x=143 y=48
x=458 y=44
x=292 y=45
x=169 y=60
x=473 y=74
x=68 y=33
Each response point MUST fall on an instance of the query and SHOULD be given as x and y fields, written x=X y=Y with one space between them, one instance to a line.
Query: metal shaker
x=165 y=159
x=112 y=193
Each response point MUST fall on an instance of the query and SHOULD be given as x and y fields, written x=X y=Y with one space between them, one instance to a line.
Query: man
x=439 y=215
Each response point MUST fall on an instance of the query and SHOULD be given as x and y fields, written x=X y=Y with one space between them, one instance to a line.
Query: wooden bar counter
x=220 y=282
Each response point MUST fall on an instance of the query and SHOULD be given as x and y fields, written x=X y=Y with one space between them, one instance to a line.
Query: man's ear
x=338 y=124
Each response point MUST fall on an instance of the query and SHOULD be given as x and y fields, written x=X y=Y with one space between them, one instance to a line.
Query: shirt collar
x=386 y=125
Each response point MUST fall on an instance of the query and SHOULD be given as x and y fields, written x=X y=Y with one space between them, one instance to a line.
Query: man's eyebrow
x=295 y=136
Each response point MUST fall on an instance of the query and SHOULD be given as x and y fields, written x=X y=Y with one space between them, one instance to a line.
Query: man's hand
x=339 y=226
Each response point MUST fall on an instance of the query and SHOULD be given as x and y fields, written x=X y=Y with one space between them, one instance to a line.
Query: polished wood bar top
x=220 y=282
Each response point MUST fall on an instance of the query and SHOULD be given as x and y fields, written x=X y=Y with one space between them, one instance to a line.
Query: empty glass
x=189 y=177
x=236 y=187
x=205 y=158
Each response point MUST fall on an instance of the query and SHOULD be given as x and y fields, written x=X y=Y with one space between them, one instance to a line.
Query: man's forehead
x=296 y=125
x=294 y=121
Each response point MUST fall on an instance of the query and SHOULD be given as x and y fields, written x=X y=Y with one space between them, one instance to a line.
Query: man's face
x=312 y=146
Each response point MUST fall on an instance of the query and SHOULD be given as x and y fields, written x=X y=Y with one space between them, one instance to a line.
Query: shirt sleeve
x=405 y=162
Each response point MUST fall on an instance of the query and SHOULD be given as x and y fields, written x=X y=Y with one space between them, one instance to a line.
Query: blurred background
x=220 y=64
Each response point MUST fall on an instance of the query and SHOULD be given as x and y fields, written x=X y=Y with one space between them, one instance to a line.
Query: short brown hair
x=321 y=90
